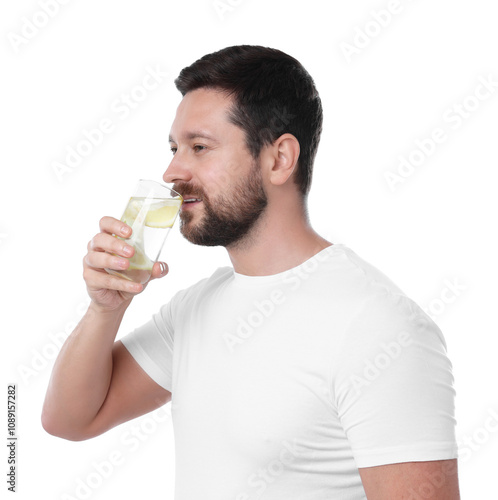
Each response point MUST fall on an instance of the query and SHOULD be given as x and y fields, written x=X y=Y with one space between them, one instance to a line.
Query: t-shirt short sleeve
x=151 y=345
x=393 y=385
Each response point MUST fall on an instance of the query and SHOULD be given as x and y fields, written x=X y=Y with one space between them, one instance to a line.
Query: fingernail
x=163 y=267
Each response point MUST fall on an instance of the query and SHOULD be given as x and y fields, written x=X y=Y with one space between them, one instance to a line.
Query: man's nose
x=177 y=171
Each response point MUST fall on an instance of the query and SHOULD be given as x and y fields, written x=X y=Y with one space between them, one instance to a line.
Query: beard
x=227 y=219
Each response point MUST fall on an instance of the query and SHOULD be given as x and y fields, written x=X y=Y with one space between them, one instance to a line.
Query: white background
x=439 y=224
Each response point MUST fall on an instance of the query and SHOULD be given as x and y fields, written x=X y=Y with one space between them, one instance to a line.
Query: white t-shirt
x=284 y=385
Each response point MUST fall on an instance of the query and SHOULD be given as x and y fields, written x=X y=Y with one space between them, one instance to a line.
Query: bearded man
x=299 y=372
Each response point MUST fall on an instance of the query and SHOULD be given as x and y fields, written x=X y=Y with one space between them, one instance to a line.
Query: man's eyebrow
x=195 y=135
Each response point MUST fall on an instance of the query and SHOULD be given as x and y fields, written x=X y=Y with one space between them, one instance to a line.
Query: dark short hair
x=273 y=95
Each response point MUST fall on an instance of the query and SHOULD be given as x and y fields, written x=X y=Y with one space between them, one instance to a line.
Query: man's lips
x=189 y=201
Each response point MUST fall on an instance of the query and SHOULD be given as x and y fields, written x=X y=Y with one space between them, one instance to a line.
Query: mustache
x=186 y=189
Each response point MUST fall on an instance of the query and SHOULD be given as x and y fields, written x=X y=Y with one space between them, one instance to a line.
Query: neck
x=281 y=239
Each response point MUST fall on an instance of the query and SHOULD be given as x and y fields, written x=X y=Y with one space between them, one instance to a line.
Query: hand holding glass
x=150 y=213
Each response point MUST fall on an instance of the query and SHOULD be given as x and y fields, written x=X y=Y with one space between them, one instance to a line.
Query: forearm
x=82 y=374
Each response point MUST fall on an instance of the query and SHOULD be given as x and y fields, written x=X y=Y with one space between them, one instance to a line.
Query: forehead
x=202 y=109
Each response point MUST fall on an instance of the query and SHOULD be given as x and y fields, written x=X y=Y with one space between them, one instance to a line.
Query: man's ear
x=284 y=153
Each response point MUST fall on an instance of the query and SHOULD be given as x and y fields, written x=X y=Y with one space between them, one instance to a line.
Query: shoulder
x=373 y=280
x=362 y=289
x=384 y=322
x=377 y=296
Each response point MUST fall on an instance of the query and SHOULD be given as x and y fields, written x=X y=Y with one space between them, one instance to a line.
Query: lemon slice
x=164 y=216
x=140 y=261
x=143 y=266
x=132 y=210
x=133 y=207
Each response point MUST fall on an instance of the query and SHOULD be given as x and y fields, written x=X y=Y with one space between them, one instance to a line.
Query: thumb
x=159 y=270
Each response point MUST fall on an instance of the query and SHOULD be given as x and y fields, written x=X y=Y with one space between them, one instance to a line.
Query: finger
x=103 y=242
x=98 y=280
x=159 y=269
x=114 y=226
x=102 y=260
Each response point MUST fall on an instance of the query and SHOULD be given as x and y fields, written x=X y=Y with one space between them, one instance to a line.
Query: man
x=302 y=372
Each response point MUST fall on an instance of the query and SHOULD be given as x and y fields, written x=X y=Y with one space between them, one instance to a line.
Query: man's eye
x=173 y=150
x=198 y=148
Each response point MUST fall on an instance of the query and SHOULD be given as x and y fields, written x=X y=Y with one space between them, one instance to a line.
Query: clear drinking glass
x=150 y=213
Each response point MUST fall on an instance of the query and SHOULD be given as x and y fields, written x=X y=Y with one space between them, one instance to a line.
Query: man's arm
x=435 y=480
x=96 y=384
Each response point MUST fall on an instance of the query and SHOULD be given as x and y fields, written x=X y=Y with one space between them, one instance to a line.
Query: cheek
x=224 y=170
x=220 y=173
x=238 y=165
x=214 y=180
